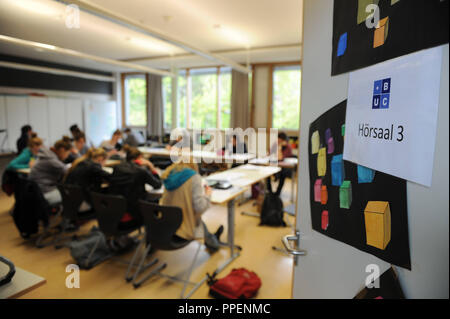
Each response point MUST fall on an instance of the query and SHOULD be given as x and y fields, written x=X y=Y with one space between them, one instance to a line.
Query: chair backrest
x=161 y=224
x=72 y=197
x=109 y=210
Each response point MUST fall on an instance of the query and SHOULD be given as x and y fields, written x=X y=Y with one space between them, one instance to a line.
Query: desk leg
x=230 y=209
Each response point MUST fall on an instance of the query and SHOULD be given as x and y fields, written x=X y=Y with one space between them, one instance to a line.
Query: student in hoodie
x=87 y=171
x=26 y=159
x=184 y=188
x=25 y=136
x=129 y=179
x=49 y=169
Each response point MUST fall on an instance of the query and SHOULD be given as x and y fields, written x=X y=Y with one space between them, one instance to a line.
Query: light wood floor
x=107 y=279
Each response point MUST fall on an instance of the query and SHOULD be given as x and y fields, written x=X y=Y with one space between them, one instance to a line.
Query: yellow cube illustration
x=322 y=162
x=377 y=217
x=315 y=142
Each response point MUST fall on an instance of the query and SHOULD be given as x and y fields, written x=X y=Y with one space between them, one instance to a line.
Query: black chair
x=109 y=210
x=31 y=211
x=72 y=198
x=161 y=224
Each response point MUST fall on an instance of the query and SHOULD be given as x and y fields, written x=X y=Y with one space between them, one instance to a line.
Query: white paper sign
x=391 y=117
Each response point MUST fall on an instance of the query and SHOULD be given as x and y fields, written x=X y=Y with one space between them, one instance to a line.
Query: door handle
x=293 y=251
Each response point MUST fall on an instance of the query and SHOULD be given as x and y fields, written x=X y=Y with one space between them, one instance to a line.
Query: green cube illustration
x=343 y=129
x=345 y=195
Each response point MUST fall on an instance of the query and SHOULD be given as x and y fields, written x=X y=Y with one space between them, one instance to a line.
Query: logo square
x=377 y=87
x=384 y=103
x=376 y=101
x=386 y=87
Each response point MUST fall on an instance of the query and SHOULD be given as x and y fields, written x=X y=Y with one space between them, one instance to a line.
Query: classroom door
x=332 y=269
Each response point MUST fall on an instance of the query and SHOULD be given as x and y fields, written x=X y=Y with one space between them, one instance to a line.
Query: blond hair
x=35 y=141
x=92 y=153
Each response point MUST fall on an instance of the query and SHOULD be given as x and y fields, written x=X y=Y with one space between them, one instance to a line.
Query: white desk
x=22 y=283
x=289 y=162
x=198 y=155
x=241 y=178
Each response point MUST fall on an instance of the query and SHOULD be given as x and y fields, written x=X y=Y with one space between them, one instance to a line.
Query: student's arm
x=21 y=161
x=151 y=178
x=200 y=201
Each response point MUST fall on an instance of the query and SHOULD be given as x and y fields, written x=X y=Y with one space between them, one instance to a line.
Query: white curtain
x=240 y=113
x=155 y=116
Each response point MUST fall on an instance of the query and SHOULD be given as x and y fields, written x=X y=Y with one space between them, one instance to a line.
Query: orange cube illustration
x=324 y=195
x=381 y=32
x=377 y=217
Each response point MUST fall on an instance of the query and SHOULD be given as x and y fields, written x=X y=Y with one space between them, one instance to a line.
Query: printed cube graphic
x=342 y=44
x=377 y=216
x=330 y=146
x=343 y=129
x=381 y=32
x=315 y=142
x=384 y=101
x=376 y=101
x=365 y=174
x=324 y=195
x=317 y=190
x=322 y=162
x=337 y=170
x=345 y=195
x=386 y=86
x=324 y=220
x=377 y=87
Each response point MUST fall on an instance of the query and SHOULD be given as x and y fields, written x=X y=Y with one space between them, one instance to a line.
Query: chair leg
x=141 y=267
x=151 y=274
x=190 y=272
x=128 y=278
x=86 y=263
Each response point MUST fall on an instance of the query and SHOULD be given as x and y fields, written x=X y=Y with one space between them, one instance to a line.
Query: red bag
x=238 y=284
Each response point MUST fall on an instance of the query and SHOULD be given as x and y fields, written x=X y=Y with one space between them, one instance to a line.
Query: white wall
x=333 y=269
x=50 y=117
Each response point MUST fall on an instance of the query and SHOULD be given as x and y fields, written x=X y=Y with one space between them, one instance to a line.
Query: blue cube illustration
x=365 y=174
x=342 y=45
x=337 y=170
x=386 y=87
x=377 y=87
x=376 y=101
x=384 y=101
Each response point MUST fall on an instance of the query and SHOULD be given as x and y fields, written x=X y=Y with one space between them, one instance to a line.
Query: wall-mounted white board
x=17 y=116
x=100 y=120
x=38 y=117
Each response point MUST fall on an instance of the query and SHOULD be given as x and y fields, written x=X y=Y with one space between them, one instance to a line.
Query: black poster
x=405 y=26
x=353 y=204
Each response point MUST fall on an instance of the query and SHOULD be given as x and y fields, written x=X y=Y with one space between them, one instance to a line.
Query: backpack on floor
x=272 y=211
x=238 y=284
x=80 y=249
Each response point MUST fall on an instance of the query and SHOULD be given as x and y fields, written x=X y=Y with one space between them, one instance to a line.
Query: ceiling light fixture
x=77 y=54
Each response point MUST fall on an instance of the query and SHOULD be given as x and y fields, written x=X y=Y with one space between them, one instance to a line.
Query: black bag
x=81 y=250
x=272 y=211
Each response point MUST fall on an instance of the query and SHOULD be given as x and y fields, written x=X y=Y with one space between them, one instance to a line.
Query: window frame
x=124 y=107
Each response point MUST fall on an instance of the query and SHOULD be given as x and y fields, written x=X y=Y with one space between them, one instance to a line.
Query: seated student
x=22 y=141
x=239 y=147
x=80 y=143
x=283 y=151
x=112 y=146
x=87 y=171
x=26 y=159
x=129 y=179
x=184 y=188
x=133 y=139
x=49 y=169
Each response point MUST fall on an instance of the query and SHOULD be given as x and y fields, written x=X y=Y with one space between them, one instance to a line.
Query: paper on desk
x=243 y=182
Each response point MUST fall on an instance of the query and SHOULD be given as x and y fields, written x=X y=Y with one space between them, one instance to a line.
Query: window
x=135 y=100
x=167 y=100
x=181 y=99
x=286 y=97
x=203 y=98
